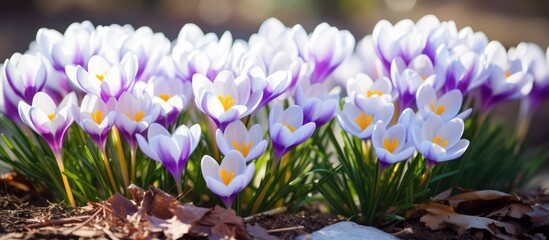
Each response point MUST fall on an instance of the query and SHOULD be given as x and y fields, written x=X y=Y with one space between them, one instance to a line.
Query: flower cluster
x=405 y=87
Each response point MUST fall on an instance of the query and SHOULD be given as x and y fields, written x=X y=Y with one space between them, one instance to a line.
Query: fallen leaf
x=136 y=192
x=175 y=229
x=257 y=232
x=161 y=204
x=439 y=216
x=189 y=213
x=514 y=210
x=539 y=216
x=121 y=206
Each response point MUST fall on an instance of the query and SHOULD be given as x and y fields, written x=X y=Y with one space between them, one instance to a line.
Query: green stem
x=59 y=159
x=121 y=158
x=109 y=171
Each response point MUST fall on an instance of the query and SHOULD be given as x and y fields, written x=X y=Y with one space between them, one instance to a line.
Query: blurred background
x=509 y=21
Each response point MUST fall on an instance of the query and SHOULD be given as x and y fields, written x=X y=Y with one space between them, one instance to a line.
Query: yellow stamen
x=290 y=127
x=244 y=149
x=390 y=145
x=438 y=140
x=97 y=116
x=100 y=76
x=164 y=97
x=423 y=78
x=137 y=117
x=226 y=178
x=51 y=116
x=507 y=73
x=439 y=110
x=371 y=93
x=363 y=120
x=226 y=101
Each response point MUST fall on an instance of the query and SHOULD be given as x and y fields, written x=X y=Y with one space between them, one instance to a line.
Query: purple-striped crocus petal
x=233 y=164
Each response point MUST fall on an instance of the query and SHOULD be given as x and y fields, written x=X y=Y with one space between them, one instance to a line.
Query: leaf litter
x=485 y=214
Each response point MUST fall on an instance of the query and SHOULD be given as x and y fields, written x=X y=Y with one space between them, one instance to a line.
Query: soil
x=288 y=225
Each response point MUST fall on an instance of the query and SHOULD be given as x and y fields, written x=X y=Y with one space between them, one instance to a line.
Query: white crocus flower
x=237 y=138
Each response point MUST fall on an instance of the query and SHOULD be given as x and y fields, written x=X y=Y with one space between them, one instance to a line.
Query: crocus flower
x=149 y=48
x=287 y=129
x=359 y=119
x=439 y=141
x=230 y=177
x=134 y=115
x=74 y=47
x=318 y=105
x=273 y=83
x=103 y=79
x=24 y=75
x=465 y=71
x=537 y=64
x=369 y=62
x=172 y=150
x=274 y=44
x=391 y=145
x=196 y=52
x=363 y=87
x=95 y=117
x=171 y=96
x=328 y=47
x=507 y=79
x=227 y=98
x=237 y=138
x=447 y=106
x=406 y=84
x=402 y=40
x=49 y=120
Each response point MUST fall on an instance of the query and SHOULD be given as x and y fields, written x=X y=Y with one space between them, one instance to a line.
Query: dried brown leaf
x=513 y=210
x=439 y=216
x=136 y=192
x=221 y=222
x=175 y=229
x=189 y=213
x=539 y=216
x=257 y=232
x=161 y=204
x=121 y=206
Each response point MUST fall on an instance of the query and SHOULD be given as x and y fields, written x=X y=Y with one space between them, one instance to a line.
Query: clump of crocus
x=237 y=138
x=172 y=150
x=51 y=121
x=230 y=177
x=287 y=129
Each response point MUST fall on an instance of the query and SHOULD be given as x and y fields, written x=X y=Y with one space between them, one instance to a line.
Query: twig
x=53 y=222
x=285 y=229
x=268 y=213
x=108 y=232
x=82 y=224
x=403 y=231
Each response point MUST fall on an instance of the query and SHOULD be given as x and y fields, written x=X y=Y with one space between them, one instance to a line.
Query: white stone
x=348 y=230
